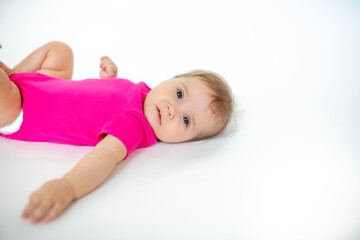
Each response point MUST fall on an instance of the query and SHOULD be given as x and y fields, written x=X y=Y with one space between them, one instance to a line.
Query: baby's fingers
x=104 y=61
x=105 y=58
x=54 y=212
x=34 y=201
x=41 y=211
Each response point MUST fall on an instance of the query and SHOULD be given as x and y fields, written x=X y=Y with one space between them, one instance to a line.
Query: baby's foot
x=8 y=71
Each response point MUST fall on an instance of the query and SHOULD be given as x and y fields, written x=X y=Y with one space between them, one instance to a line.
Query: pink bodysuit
x=82 y=112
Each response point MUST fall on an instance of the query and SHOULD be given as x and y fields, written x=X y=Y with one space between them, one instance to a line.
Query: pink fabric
x=82 y=112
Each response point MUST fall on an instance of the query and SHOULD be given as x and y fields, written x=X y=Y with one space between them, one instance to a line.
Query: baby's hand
x=108 y=69
x=49 y=201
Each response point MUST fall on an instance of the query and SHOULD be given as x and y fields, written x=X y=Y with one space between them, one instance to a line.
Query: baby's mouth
x=158 y=115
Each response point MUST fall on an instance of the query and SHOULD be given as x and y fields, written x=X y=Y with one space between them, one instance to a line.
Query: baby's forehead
x=207 y=120
x=188 y=79
x=209 y=124
x=193 y=84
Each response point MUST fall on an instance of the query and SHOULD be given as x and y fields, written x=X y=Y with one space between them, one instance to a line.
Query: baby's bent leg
x=54 y=59
x=10 y=100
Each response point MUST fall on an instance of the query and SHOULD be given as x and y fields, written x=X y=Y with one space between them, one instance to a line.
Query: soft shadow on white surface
x=288 y=170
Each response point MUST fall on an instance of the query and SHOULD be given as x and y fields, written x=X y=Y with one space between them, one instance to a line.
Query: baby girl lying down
x=39 y=102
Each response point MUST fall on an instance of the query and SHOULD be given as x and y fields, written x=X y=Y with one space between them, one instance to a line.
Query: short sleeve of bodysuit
x=132 y=123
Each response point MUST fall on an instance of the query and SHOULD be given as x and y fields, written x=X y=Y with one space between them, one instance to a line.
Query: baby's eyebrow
x=183 y=85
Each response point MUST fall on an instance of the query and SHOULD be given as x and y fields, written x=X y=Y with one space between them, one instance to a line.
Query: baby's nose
x=171 y=111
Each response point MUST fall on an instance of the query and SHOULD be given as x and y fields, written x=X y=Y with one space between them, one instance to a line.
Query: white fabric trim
x=14 y=126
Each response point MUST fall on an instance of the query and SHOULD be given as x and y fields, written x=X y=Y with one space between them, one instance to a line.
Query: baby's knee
x=59 y=60
x=63 y=47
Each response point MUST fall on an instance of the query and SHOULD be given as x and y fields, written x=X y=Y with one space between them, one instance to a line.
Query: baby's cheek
x=170 y=134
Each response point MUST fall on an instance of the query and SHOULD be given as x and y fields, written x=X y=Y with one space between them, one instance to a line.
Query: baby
x=39 y=102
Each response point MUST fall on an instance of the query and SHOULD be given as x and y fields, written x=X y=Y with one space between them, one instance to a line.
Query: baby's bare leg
x=54 y=59
x=10 y=100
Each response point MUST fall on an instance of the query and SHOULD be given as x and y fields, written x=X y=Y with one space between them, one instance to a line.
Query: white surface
x=291 y=169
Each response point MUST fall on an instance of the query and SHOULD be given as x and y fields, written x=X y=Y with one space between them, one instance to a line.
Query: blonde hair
x=222 y=101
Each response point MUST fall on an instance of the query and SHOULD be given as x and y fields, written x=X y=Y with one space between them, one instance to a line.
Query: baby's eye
x=186 y=120
x=179 y=94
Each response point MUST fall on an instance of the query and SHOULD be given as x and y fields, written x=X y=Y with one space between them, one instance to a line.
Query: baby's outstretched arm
x=55 y=196
x=108 y=68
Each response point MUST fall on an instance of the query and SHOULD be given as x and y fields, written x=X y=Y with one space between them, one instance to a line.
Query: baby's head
x=191 y=106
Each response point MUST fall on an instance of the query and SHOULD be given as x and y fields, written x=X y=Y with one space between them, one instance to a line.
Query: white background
x=286 y=168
